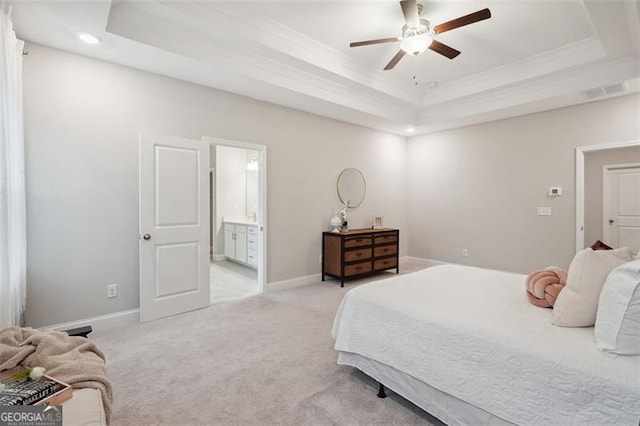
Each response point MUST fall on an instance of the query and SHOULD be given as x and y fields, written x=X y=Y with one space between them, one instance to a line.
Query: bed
x=464 y=344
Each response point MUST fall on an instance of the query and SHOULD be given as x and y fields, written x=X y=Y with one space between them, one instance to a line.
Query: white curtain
x=13 y=232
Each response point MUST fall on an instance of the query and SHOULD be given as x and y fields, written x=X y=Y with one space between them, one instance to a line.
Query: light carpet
x=266 y=359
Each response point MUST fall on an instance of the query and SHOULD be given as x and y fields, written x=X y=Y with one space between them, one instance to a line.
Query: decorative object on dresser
x=359 y=252
x=376 y=222
x=336 y=223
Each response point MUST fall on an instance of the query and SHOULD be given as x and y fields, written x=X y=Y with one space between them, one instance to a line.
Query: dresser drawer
x=353 y=255
x=386 y=238
x=385 y=250
x=358 y=268
x=382 y=264
x=357 y=242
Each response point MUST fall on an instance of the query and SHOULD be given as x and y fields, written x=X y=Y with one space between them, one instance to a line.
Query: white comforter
x=470 y=332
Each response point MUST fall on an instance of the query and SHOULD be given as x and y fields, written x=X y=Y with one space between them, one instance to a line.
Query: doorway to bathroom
x=237 y=219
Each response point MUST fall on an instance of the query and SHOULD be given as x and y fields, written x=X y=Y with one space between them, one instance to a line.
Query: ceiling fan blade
x=377 y=41
x=443 y=49
x=392 y=63
x=410 y=12
x=480 y=15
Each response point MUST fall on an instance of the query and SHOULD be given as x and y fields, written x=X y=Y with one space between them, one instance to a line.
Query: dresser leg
x=341 y=283
x=322 y=277
x=381 y=392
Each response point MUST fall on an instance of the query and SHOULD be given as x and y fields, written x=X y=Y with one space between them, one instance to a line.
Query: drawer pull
x=358 y=268
x=386 y=250
x=358 y=254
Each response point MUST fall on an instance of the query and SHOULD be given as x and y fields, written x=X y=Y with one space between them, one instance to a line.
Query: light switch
x=544 y=211
x=555 y=191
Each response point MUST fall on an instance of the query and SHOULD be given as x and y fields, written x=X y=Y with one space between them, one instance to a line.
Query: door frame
x=580 y=151
x=607 y=170
x=262 y=200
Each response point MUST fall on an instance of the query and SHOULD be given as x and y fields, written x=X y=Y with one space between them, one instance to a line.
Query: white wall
x=82 y=118
x=478 y=187
x=231 y=189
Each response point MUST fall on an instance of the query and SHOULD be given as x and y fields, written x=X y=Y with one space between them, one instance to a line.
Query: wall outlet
x=465 y=252
x=112 y=291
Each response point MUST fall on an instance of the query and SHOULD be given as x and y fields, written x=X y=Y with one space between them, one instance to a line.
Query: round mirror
x=351 y=187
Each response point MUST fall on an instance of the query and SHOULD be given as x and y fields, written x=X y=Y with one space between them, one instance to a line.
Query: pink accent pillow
x=543 y=287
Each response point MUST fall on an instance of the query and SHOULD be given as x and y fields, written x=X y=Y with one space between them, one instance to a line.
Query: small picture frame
x=376 y=222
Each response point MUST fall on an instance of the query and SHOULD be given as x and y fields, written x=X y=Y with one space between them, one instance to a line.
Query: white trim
x=580 y=183
x=262 y=201
x=294 y=282
x=425 y=261
x=101 y=322
x=219 y=257
x=317 y=278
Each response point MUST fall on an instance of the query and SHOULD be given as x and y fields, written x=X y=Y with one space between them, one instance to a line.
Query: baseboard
x=101 y=322
x=219 y=257
x=425 y=261
x=293 y=282
x=315 y=278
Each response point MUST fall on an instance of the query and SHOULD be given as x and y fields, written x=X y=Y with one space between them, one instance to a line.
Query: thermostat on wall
x=555 y=191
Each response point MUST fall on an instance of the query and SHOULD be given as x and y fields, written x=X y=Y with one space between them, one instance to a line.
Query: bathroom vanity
x=241 y=242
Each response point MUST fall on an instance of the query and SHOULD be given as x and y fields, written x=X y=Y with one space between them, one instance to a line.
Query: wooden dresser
x=359 y=252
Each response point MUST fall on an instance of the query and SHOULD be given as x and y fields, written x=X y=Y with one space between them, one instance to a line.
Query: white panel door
x=621 y=210
x=174 y=226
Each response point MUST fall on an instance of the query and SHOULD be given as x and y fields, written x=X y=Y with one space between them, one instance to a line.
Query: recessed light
x=410 y=130
x=88 y=38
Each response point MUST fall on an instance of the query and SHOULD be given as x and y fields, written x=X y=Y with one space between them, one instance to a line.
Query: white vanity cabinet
x=252 y=245
x=241 y=243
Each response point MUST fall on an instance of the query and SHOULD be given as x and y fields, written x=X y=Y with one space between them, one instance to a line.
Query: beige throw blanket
x=74 y=360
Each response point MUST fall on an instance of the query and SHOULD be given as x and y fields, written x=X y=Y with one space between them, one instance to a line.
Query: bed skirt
x=447 y=408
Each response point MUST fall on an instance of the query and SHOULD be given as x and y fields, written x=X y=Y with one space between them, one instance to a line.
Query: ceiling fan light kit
x=416 y=40
x=418 y=35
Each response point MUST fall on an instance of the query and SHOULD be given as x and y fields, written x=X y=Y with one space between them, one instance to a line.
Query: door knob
x=611 y=221
x=146 y=237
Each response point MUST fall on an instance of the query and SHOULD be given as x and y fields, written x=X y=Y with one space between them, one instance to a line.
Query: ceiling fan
x=417 y=33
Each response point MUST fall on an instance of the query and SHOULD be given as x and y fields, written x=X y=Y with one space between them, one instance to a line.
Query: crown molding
x=544 y=87
x=272 y=35
x=127 y=21
x=555 y=60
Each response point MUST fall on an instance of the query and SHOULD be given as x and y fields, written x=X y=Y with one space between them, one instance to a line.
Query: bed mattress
x=471 y=333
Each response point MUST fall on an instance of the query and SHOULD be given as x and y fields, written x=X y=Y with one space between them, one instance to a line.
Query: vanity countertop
x=241 y=222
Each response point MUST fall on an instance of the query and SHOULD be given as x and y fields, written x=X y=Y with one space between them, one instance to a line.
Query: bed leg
x=381 y=392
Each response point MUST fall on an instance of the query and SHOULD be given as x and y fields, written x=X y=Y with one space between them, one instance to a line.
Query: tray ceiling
x=530 y=56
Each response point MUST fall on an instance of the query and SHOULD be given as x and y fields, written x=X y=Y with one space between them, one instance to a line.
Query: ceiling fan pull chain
x=415 y=73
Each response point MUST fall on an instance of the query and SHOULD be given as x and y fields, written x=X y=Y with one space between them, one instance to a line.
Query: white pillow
x=577 y=303
x=618 y=321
